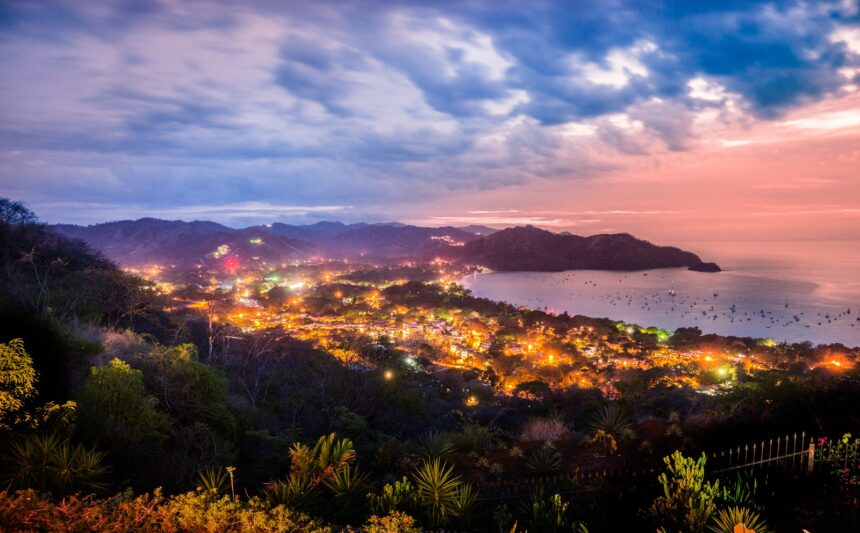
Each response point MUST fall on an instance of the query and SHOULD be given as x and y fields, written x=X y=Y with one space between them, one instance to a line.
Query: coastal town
x=411 y=317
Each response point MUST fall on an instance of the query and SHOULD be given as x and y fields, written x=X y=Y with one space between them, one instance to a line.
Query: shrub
x=612 y=420
x=434 y=444
x=465 y=499
x=741 y=492
x=726 y=520
x=328 y=456
x=115 y=412
x=49 y=463
x=297 y=492
x=150 y=513
x=17 y=381
x=544 y=461
x=547 y=429
x=551 y=514
x=213 y=480
x=401 y=496
x=688 y=501
x=393 y=522
x=348 y=487
x=473 y=437
x=438 y=490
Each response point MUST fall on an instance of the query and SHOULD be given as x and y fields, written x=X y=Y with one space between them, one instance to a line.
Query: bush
x=726 y=520
x=400 y=496
x=688 y=501
x=115 y=413
x=551 y=514
x=547 y=429
x=49 y=463
x=193 y=511
x=434 y=444
x=394 y=522
x=544 y=461
x=438 y=491
x=17 y=382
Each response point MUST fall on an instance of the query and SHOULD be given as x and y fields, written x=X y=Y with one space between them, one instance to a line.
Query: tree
x=17 y=382
x=12 y=212
x=190 y=391
x=116 y=414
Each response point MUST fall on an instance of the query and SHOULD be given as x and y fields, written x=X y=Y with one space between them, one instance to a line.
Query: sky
x=674 y=121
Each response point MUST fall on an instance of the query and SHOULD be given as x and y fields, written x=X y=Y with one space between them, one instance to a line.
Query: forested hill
x=147 y=241
x=531 y=248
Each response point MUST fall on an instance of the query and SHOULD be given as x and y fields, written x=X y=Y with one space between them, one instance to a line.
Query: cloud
x=368 y=104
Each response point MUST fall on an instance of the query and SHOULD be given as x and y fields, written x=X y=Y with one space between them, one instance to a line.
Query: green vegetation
x=688 y=501
x=118 y=415
x=17 y=382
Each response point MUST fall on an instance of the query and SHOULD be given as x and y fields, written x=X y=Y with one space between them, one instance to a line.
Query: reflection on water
x=790 y=291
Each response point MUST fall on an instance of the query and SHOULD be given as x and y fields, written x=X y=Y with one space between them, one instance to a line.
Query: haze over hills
x=149 y=240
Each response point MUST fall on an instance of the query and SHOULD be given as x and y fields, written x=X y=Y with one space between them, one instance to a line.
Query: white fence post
x=811 y=461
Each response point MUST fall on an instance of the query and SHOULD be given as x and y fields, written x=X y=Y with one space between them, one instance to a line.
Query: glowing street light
x=388 y=375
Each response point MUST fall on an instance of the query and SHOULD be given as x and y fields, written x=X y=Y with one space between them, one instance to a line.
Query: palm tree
x=544 y=461
x=213 y=480
x=438 y=490
x=327 y=462
x=349 y=489
x=434 y=444
x=328 y=456
x=49 y=463
x=612 y=420
x=611 y=425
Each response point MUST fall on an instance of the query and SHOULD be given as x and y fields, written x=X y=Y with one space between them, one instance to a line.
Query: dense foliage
x=116 y=415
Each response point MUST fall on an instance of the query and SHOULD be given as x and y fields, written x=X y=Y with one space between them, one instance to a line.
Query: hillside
x=148 y=240
x=531 y=248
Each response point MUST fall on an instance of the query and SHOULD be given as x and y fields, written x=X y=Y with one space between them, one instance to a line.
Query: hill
x=149 y=240
x=531 y=248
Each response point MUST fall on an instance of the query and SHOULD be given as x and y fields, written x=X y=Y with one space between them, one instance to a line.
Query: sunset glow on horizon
x=693 y=121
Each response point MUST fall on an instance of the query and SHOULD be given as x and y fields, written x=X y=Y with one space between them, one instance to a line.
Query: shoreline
x=592 y=293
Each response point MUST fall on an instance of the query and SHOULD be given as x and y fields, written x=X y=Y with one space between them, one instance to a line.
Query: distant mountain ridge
x=149 y=240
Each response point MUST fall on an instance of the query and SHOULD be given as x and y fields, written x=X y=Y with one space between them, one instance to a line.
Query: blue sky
x=567 y=114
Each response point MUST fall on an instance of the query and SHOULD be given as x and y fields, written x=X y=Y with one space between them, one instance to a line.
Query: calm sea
x=789 y=291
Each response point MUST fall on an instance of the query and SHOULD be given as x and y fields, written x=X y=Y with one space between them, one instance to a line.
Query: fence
x=561 y=483
x=790 y=452
x=793 y=453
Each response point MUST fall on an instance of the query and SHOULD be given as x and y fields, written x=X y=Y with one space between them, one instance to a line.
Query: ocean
x=790 y=291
